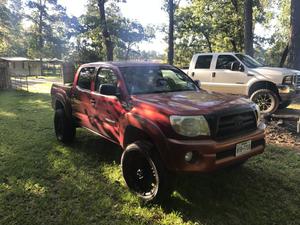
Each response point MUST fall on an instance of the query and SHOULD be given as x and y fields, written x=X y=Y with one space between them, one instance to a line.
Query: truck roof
x=216 y=53
x=124 y=64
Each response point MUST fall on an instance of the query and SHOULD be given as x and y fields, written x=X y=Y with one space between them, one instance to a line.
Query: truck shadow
x=248 y=195
x=242 y=195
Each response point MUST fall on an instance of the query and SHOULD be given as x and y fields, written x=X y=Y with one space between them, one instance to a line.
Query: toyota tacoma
x=162 y=120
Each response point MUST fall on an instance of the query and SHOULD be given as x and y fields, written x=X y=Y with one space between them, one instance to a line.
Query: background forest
x=43 y=29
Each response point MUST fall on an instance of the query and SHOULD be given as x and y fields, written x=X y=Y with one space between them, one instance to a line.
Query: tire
x=64 y=129
x=266 y=99
x=284 y=104
x=144 y=173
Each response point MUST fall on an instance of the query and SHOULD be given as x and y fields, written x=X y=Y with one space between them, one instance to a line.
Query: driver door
x=107 y=109
x=225 y=80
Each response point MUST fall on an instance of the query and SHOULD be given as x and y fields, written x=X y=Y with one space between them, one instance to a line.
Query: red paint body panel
x=111 y=116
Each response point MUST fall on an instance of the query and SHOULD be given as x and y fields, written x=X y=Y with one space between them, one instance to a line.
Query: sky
x=144 y=11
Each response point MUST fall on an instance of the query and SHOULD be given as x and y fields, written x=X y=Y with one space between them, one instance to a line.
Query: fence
x=19 y=82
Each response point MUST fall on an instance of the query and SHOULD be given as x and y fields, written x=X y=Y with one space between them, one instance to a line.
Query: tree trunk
x=171 y=32
x=234 y=46
x=248 y=27
x=294 y=57
x=206 y=36
x=284 y=56
x=106 y=36
x=40 y=39
x=127 y=51
x=235 y=5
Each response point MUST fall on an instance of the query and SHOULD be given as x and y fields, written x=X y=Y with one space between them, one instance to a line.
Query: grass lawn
x=45 y=182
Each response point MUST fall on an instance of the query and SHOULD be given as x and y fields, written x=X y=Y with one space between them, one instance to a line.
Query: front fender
x=151 y=130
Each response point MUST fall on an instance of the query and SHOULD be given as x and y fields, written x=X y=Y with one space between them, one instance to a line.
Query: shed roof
x=23 y=59
x=15 y=59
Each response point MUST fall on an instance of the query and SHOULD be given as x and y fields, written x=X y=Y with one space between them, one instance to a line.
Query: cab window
x=105 y=76
x=203 y=62
x=85 y=77
x=224 y=62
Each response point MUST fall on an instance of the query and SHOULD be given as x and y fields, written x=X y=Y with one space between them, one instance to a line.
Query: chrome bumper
x=287 y=92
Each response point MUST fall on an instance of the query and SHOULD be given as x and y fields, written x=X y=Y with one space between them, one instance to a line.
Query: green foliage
x=48 y=34
x=125 y=34
x=270 y=49
x=205 y=26
x=200 y=26
x=11 y=38
x=130 y=33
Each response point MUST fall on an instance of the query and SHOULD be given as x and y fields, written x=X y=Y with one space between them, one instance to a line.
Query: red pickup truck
x=161 y=118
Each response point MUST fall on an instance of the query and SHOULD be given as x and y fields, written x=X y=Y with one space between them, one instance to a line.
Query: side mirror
x=237 y=66
x=198 y=83
x=108 y=89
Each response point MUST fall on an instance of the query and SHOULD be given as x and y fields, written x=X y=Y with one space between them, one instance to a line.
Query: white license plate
x=242 y=148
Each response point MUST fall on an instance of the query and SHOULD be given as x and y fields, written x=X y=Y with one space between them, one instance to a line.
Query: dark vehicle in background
x=162 y=120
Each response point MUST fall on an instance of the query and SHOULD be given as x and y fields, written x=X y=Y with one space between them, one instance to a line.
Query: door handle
x=193 y=74
x=213 y=74
x=93 y=102
x=110 y=121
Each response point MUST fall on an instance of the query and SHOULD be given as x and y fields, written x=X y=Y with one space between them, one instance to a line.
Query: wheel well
x=263 y=85
x=133 y=134
x=59 y=105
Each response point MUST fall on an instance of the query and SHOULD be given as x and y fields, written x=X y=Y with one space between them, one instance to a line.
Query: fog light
x=188 y=156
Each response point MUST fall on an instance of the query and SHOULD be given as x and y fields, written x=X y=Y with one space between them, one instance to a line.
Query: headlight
x=190 y=126
x=288 y=80
x=257 y=109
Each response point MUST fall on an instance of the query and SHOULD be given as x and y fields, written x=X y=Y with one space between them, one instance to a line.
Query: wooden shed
x=4 y=76
x=19 y=66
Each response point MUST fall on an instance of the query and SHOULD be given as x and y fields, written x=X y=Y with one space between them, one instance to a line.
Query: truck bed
x=61 y=92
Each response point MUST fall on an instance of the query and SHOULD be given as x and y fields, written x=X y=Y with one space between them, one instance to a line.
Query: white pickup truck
x=234 y=73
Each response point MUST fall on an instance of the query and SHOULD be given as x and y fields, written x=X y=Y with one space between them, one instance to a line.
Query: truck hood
x=273 y=71
x=190 y=102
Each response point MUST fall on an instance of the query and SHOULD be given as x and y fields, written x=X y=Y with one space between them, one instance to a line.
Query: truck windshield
x=248 y=61
x=156 y=79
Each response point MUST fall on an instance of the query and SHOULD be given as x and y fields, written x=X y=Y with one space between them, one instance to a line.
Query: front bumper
x=287 y=92
x=212 y=155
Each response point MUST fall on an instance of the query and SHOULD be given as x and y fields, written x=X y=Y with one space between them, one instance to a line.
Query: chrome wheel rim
x=265 y=101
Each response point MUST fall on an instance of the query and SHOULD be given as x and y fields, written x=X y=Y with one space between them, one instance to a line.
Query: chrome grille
x=298 y=82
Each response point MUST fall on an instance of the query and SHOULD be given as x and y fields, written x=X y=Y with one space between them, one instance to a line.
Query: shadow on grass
x=45 y=182
x=245 y=196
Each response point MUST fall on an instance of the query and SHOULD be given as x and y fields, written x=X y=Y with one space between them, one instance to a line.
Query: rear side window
x=203 y=62
x=85 y=77
x=105 y=76
x=224 y=62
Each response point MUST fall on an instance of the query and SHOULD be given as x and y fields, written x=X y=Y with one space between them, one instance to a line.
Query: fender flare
x=269 y=85
x=61 y=99
x=148 y=129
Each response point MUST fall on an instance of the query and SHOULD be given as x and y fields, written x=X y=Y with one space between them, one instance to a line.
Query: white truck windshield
x=248 y=61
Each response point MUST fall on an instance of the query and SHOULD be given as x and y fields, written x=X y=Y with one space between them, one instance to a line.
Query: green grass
x=45 y=182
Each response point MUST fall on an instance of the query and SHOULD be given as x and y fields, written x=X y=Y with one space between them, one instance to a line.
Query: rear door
x=202 y=70
x=107 y=110
x=225 y=80
x=81 y=97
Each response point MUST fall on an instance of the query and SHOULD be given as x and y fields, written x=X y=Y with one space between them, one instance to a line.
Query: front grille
x=235 y=124
x=298 y=82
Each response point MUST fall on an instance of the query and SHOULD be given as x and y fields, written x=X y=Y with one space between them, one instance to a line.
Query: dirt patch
x=283 y=133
